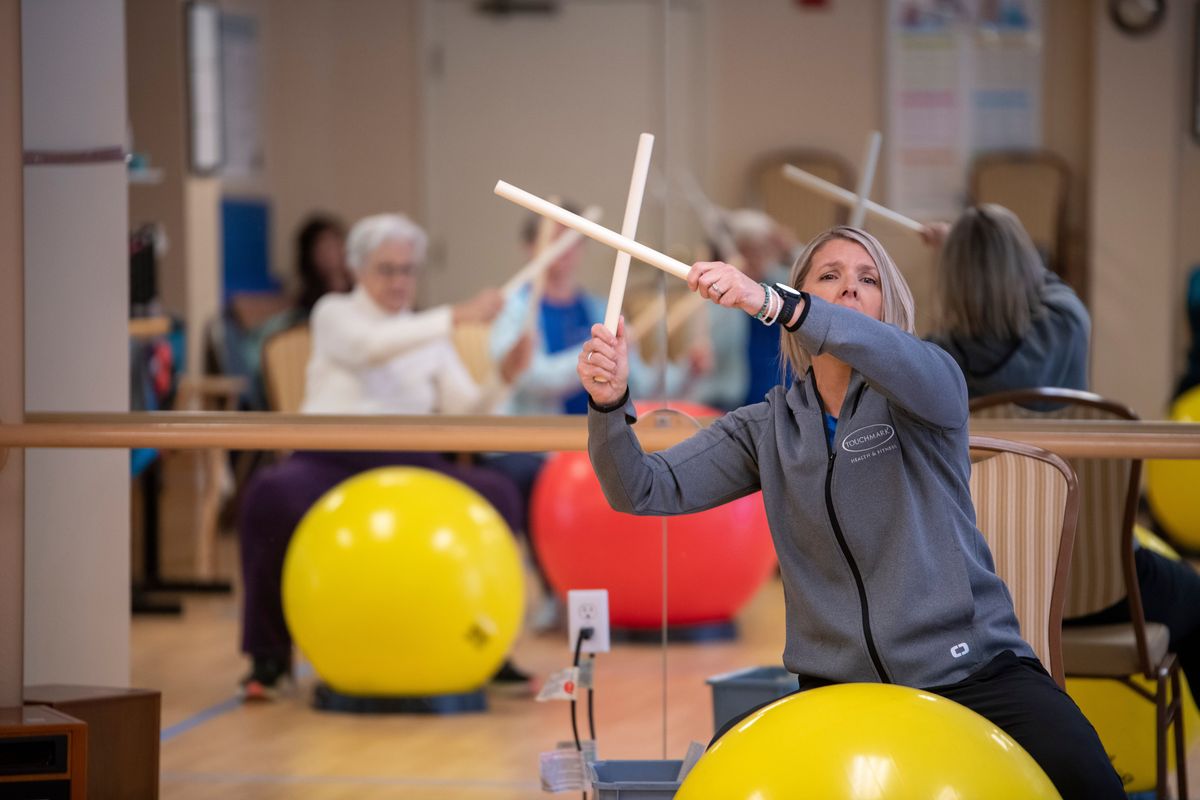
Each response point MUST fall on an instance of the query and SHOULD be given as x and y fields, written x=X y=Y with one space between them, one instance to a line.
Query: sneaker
x=512 y=680
x=268 y=678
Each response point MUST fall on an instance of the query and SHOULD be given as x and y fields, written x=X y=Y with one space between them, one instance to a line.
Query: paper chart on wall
x=963 y=76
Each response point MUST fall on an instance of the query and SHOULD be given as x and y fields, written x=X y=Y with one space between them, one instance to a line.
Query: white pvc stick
x=848 y=198
x=591 y=230
x=633 y=210
x=549 y=255
x=865 y=179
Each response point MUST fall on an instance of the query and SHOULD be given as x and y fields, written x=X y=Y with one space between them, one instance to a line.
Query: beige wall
x=1137 y=184
x=156 y=81
x=343 y=113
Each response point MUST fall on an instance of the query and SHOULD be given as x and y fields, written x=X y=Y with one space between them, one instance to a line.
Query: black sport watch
x=791 y=299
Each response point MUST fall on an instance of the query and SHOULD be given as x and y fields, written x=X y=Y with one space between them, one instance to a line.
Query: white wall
x=76 y=342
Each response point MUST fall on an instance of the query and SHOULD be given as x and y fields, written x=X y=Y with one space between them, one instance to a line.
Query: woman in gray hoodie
x=863 y=464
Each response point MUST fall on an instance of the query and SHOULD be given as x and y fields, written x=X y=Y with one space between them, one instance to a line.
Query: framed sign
x=205 y=103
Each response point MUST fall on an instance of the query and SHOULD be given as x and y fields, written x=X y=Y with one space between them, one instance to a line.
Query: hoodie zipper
x=842 y=543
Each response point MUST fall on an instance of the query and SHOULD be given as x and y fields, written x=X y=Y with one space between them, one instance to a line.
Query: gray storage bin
x=735 y=693
x=635 y=780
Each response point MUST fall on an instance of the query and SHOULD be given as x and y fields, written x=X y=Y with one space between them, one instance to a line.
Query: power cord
x=584 y=633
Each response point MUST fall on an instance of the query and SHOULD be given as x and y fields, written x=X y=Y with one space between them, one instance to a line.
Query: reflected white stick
x=633 y=210
x=549 y=255
x=848 y=198
x=865 y=179
x=641 y=252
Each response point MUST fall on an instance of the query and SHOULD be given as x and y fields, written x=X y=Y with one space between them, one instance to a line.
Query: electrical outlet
x=588 y=608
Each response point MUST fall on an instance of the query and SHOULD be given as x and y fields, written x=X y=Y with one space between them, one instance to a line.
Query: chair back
x=1108 y=490
x=284 y=365
x=472 y=341
x=1033 y=185
x=803 y=210
x=1026 y=505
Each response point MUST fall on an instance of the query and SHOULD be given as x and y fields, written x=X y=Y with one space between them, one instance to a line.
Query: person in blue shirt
x=746 y=360
x=564 y=318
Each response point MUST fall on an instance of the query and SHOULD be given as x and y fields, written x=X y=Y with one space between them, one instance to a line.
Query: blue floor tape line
x=199 y=719
x=344 y=780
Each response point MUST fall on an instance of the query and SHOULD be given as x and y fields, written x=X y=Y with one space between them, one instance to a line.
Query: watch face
x=783 y=287
x=1136 y=16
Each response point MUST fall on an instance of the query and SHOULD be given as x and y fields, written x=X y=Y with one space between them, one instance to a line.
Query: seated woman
x=1007 y=321
x=886 y=577
x=1012 y=324
x=371 y=355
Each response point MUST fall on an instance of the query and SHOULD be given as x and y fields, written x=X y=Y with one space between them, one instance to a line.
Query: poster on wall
x=241 y=78
x=963 y=77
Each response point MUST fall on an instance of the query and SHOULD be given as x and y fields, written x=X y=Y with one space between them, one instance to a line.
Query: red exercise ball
x=717 y=559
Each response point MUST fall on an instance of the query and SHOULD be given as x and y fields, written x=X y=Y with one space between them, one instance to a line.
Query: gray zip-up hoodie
x=885 y=575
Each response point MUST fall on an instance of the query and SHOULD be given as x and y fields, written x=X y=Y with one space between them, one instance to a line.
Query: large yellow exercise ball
x=1125 y=719
x=1173 y=485
x=403 y=582
x=857 y=741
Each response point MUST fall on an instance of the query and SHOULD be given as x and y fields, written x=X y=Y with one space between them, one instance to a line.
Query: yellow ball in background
x=1125 y=719
x=1173 y=485
x=860 y=741
x=403 y=582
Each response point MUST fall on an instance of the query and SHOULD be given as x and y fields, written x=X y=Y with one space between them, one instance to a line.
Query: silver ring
x=720 y=291
x=590 y=354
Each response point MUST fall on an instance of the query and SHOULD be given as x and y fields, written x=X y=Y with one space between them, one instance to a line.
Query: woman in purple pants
x=371 y=355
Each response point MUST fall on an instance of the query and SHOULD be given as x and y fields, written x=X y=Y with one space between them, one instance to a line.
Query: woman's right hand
x=603 y=365
x=482 y=308
x=935 y=233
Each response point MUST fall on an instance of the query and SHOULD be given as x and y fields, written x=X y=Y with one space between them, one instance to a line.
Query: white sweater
x=368 y=361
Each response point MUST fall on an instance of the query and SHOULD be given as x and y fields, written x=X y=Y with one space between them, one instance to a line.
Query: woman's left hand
x=726 y=285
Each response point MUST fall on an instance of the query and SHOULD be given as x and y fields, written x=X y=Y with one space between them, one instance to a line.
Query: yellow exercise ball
x=1171 y=484
x=856 y=741
x=1125 y=719
x=403 y=582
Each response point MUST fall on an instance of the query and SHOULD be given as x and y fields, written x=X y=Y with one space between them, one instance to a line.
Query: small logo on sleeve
x=959 y=650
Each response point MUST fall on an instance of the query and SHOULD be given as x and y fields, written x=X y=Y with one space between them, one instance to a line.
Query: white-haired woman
x=371 y=355
x=863 y=465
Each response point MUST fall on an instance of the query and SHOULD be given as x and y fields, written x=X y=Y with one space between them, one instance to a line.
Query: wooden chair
x=1026 y=505
x=1105 y=571
x=472 y=341
x=802 y=210
x=1034 y=186
x=284 y=364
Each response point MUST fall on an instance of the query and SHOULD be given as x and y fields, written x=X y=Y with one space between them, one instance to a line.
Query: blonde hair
x=898 y=308
x=990 y=276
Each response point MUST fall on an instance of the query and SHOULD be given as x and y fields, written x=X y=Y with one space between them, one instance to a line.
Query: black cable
x=584 y=633
x=591 y=716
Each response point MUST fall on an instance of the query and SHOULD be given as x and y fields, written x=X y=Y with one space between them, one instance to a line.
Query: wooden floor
x=214 y=747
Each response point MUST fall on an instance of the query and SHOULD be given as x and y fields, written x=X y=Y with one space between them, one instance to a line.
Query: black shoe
x=510 y=680
x=268 y=678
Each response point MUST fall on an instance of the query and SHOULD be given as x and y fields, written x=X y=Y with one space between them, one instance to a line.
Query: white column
x=76 y=341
